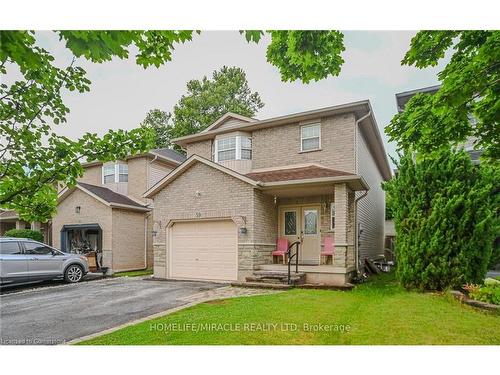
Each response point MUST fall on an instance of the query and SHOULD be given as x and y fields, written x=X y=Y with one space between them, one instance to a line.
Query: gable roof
x=226 y=117
x=165 y=154
x=105 y=196
x=185 y=166
x=359 y=108
x=308 y=174
x=362 y=111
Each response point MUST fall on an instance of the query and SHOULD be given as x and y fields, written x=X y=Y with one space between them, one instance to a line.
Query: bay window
x=108 y=173
x=116 y=172
x=226 y=149
x=246 y=148
x=233 y=148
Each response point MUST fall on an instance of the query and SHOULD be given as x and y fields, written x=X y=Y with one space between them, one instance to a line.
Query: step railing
x=290 y=256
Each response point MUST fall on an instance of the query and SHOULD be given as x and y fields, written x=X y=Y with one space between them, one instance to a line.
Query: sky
x=122 y=92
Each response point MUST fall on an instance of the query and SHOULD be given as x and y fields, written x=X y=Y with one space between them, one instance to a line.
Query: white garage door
x=204 y=250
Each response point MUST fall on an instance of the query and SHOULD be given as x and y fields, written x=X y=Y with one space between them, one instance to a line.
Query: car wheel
x=73 y=274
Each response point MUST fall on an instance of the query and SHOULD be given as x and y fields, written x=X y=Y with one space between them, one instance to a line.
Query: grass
x=146 y=272
x=378 y=312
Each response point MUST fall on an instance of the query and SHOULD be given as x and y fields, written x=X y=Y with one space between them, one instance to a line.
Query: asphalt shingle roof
x=300 y=173
x=169 y=153
x=109 y=195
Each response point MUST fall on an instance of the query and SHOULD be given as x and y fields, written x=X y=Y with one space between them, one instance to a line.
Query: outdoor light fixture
x=77 y=209
x=243 y=230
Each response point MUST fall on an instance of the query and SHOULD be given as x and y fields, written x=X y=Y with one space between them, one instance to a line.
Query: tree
x=446 y=219
x=159 y=123
x=470 y=87
x=34 y=159
x=207 y=100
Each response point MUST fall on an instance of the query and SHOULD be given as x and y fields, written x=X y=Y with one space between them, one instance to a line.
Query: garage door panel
x=204 y=250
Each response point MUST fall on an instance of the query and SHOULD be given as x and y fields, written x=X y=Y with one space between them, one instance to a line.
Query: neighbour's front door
x=302 y=223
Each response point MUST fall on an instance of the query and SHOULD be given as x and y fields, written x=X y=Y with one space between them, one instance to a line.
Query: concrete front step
x=283 y=280
x=276 y=277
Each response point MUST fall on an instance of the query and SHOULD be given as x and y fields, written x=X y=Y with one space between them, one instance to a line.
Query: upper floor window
x=226 y=149
x=108 y=173
x=122 y=173
x=233 y=148
x=310 y=137
x=117 y=172
x=246 y=148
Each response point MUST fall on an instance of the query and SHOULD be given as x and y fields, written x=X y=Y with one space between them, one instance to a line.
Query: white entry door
x=302 y=223
x=204 y=250
x=311 y=237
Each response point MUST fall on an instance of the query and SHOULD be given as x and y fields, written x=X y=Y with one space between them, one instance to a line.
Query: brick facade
x=122 y=231
x=200 y=200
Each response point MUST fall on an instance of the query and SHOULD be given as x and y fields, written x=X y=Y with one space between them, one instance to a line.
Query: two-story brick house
x=248 y=182
x=106 y=212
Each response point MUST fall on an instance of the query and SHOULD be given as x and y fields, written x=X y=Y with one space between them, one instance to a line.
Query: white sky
x=122 y=92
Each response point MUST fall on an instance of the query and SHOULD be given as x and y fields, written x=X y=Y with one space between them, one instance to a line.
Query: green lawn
x=378 y=312
x=146 y=272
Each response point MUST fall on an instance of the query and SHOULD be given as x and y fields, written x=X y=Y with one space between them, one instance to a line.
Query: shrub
x=25 y=233
x=446 y=219
x=487 y=293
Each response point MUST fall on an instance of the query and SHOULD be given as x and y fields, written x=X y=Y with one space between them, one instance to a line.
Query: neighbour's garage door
x=204 y=250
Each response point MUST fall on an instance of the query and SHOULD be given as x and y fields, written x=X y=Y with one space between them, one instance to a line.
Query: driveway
x=57 y=314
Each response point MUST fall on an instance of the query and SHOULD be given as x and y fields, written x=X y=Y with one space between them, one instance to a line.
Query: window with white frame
x=310 y=137
x=233 y=148
x=117 y=172
x=122 y=173
x=332 y=215
x=226 y=149
x=108 y=173
x=246 y=148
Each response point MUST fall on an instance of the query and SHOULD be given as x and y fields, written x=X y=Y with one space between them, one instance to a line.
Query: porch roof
x=298 y=173
x=305 y=180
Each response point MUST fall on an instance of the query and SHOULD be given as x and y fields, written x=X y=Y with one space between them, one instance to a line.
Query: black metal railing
x=290 y=256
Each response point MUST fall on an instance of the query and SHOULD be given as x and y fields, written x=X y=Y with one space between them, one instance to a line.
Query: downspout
x=146 y=240
x=356 y=244
x=146 y=220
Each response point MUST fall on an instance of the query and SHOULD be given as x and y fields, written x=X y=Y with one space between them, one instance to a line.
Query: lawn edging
x=463 y=298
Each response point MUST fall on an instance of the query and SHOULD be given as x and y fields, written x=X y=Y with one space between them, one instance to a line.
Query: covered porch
x=315 y=206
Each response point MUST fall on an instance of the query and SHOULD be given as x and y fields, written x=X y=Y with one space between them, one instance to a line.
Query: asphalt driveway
x=61 y=313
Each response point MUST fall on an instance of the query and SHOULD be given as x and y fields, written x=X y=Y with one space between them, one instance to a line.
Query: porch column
x=341 y=223
x=19 y=224
x=35 y=225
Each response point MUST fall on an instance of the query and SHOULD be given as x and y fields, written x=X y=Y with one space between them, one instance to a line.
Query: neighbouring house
x=469 y=145
x=9 y=219
x=106 y=213
x=246 y=182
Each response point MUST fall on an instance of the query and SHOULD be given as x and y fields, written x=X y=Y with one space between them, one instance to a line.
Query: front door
x=311 y=239
x=302 y=223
